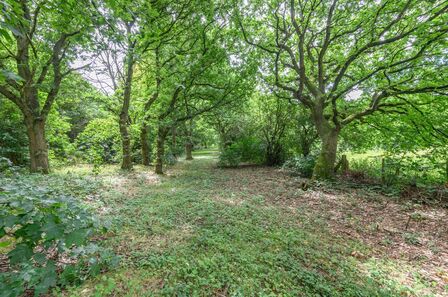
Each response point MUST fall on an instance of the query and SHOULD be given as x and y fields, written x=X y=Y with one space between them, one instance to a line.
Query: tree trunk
x=126 y=163
x=188 y=150
x=324 y=168
x=145 y=145
x=189 y=141
x=160 y=150
x=306 y=149
x=124 y=114
x=37 y=145
x=174 y=141
x=273 y=154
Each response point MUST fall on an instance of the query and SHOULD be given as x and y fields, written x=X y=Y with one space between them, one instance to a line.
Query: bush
x=399 y=169
x=100 y=141
x=47 y=238
x=230 y=157
x=13 y=136
x=247 y=149
x=302 y=166
x=252 y=150
x=5 y=164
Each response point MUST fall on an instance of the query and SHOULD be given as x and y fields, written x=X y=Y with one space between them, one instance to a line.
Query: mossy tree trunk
x=126 y=163
x=160 y=149
x=328 y=133
x=324 y=168
x=189 y=141
x=145 y=145
x=188 y=150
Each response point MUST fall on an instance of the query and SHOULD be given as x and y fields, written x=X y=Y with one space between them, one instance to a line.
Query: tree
x=35 y=60
x=273 y=116
x=325 y=52
x=121 y=34
x=193 y=73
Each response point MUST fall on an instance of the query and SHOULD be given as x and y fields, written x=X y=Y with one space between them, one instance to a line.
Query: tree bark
x=174 y=141
x=273 y=154
x=124 y=114
x=188 y=150
x=37 y=145
x=324 y=168
x=160 y=149
x=126 y=163
x=189 y=141
x=145 y=145
x=305 y=149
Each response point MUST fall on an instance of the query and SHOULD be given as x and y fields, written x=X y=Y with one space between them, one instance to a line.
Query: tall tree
x=193 y=72
x=119 y=48
x=325 y=52
x=40 y=41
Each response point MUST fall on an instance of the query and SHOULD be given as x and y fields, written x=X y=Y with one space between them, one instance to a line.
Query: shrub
x=252 y=150
x=169 y=158
x=246 y=149
x=13 y=137
x=5 y=164
x=47 y=238
x=230 y=156
x=100 y=140
x=402 y=169
x=302 y=166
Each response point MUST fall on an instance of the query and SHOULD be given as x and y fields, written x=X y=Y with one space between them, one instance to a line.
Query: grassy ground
x=204 y=231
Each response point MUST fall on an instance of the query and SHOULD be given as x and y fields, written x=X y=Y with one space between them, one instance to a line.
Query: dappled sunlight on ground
x=414 y=235
x=173 y=228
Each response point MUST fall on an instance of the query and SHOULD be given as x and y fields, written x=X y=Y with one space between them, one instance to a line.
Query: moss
x=323 y=169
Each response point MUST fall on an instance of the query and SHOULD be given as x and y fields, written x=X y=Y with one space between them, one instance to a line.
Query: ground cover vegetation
x=223 y=148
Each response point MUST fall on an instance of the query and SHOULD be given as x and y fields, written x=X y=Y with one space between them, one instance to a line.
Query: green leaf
x=9 y=221
x=21 y=253
x=5 y=243
x=76 y=237
x=30 y=232
x=48 y=280
x=40 y=258
x=5 y=34
x=52 y=230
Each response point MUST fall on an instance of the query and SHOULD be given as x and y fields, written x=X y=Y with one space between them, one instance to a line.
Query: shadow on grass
x=212 y=248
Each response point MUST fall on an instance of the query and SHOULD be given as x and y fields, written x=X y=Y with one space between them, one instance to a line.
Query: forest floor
x=256 y=231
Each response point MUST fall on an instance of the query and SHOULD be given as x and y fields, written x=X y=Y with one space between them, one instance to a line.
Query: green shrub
x=399 y=169
x=246 y=149
x=5 y=164
x=100 y=140
x=252 y=150
x=47 y=238
x=169 y=158
x=230 y=156
x=13 y=136
x=302 y=166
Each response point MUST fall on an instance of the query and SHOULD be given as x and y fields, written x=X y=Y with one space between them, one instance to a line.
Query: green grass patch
x=176 y=239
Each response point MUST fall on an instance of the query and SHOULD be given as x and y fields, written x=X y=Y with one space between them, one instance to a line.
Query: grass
x=205 y=231
x=176 y=238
